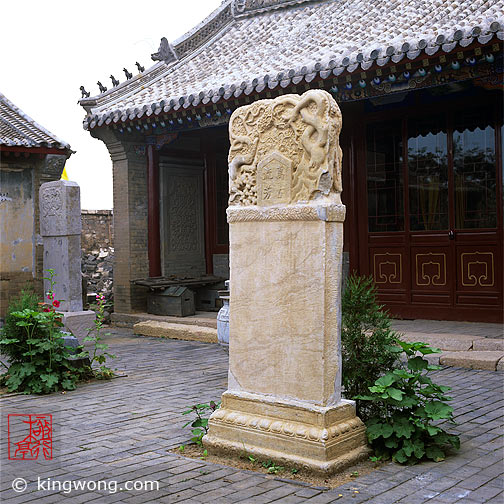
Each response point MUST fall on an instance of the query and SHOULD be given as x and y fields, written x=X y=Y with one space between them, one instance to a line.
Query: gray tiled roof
x=249 y=45
x=19 y=130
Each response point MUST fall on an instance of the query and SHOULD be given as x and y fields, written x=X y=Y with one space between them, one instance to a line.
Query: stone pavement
x=120 y=431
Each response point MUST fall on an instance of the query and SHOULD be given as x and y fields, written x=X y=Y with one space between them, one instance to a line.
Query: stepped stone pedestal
x=286 y=234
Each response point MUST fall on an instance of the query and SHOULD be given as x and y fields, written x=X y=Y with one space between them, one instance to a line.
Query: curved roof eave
x=17 y=129
x=153 y=91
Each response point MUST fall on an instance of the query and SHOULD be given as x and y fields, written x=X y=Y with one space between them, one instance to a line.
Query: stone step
x=451 y=342
x=130 y=319
x=474 y=359
x=456 y=342
x=180 y=331
x=489 y=344
x=462 y=350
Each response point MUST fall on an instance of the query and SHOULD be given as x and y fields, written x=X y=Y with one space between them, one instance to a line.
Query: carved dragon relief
x=303 y=129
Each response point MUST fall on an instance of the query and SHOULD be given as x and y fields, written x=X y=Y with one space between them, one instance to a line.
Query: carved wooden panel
x=430 y=269
x=388 y=268
x=477 y=269
x=432 y=275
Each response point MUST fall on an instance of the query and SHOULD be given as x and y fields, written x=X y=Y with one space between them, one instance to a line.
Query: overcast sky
x=50 y=48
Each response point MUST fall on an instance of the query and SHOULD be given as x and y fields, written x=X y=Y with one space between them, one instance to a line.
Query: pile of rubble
x=98 y=273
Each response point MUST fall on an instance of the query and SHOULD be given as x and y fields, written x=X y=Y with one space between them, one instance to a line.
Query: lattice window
x=474 y=171
x=384 y=177
x=428 y=174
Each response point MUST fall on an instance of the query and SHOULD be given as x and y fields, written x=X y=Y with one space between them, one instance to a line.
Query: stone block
x=130 y=319
x=472 y=359
x=71 y=342
x=221 y=265
x=189 y=332
x=62 y=254
x=79 y=322
x=60 y=212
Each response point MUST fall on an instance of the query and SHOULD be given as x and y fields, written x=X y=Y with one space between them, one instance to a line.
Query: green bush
x=409 y=402
x=27 y=300
x=39 y=360
x=369 y=345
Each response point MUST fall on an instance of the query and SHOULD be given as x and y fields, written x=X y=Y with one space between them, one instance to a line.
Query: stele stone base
x=285 y=238
x=317 y=439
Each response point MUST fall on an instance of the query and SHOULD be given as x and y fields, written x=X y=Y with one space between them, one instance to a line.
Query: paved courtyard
x=120 y=431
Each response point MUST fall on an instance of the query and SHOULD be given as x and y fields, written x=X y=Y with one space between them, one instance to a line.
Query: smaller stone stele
x=285 y=216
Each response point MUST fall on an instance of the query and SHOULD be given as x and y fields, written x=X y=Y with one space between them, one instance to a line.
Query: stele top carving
x=51 y=199
x=285 y=150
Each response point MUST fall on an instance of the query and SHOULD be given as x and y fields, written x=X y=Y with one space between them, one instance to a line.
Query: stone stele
x=60 y=228
x=286 y=234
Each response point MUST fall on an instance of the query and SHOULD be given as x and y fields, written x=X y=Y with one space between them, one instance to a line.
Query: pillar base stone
x=324 y=440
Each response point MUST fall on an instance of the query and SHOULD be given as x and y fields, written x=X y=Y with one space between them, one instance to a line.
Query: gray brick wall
x=130 y=225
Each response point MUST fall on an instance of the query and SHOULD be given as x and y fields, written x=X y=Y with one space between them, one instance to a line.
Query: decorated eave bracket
x=202 y=111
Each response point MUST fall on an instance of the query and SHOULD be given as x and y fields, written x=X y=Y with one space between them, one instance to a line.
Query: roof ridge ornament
x=166 y=52
x=243 y=7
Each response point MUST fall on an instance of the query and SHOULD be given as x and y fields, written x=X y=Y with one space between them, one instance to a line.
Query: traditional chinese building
x=419 y=84
x=29 y=156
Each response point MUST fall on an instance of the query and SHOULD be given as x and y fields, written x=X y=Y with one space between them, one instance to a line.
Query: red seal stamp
x=29 y=436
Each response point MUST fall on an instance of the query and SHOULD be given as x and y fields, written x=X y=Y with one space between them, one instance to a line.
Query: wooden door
x=434 y=226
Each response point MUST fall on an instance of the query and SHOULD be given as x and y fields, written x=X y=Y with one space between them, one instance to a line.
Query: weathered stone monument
x=60 y=228
x=286 y=233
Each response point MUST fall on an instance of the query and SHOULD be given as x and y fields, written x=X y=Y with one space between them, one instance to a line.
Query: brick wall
x=97 y=229
x=130 y=225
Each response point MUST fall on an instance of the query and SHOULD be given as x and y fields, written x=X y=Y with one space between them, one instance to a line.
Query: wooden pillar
x=154 y=247
x=208 y=148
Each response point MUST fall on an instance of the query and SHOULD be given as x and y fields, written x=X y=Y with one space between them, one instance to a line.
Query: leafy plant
x=42 y=363
x=411 y=406
x=32 y=340
x=369 y=345
x=39 y=360
x=271 y=467
x=99 y=353
x=200 y=423
x=27 y=299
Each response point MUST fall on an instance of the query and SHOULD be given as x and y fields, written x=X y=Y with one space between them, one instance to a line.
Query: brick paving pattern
x=121 y=430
